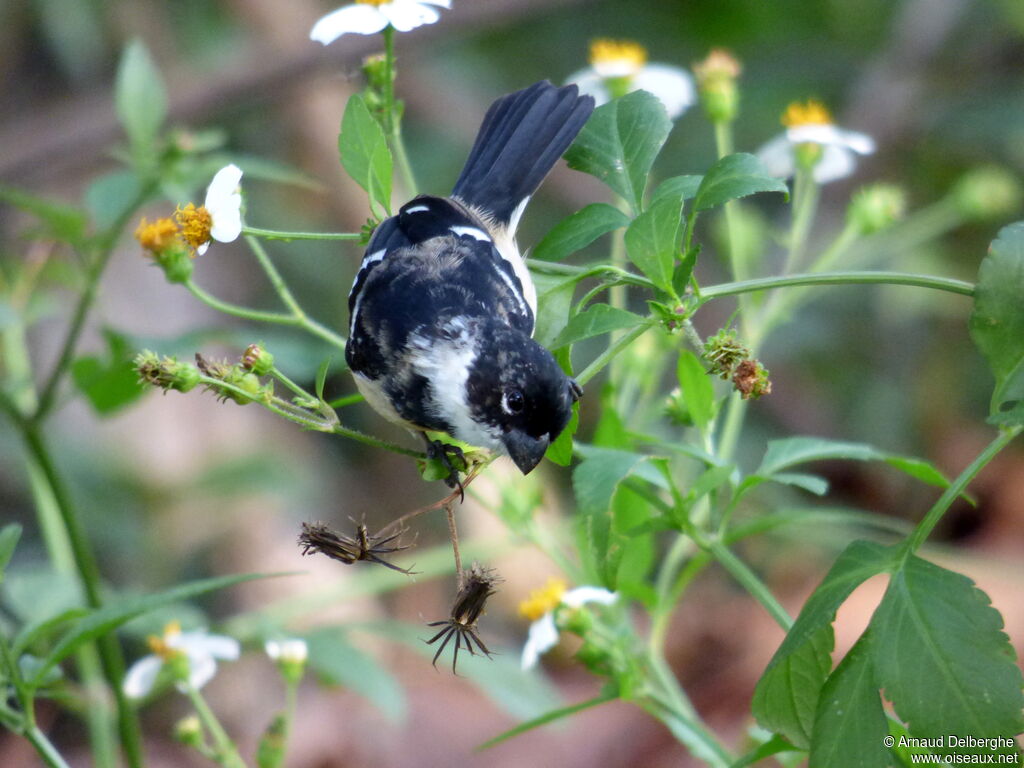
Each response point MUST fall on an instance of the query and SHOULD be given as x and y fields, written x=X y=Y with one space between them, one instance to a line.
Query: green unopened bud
x=876 y=207
x=716 y=83
x=189 y=731
x=257 y=359
x=724 y=352
x=988 y=193
x=579 y=621
x=290 y=657
x=375 y=70
x=166 y=373
x=270 y=753
x=176 y=663
x=676 y=410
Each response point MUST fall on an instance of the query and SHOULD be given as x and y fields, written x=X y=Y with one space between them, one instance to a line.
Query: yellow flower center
x=157 y=236
x=812 y=112
x=373 y=2
x=161 y=645
x=543 y=600
x=617 y=58
x=195 y=224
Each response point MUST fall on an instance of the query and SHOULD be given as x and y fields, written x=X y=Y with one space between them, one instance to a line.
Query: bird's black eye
x=514 y=401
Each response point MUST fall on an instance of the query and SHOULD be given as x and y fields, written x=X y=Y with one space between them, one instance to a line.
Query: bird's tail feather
x=521 y=139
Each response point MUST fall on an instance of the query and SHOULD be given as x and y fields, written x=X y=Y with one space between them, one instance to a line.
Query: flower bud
x=166 y=373
x=189 y=731
x=257 y=359
x=876 y=207
x=270 y=753
x=716 y=83
x=290 y=657
x=987 y=193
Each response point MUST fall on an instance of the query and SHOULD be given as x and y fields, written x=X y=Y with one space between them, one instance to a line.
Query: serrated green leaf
x=110 y=617
x=858 y=562
x=140 y=98
x=335 y=660
x=108 y=384
x=942 y=657
x=681 y=188
x=653 y=241
x=579 y=230
x=786 y=696
x=997 y=322
x=61 y=221
x=791 y=451
x=732 y=177
x=619 y=143
x=697 y=388
x=364 y=152
x=9 y=536
x=850 y=724
x=594 y=321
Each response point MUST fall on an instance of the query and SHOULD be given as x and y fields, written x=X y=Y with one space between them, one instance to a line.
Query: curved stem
x=227 y=752
x=276 y=234
x=609 y=354
x=45 y=748
x=840 y=278
x=236 y=310
x=742 y=573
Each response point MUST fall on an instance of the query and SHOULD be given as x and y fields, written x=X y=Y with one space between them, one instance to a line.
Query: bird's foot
x=452 y=459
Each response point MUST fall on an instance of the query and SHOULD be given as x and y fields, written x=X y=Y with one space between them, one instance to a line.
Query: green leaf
x=607 y=695
x=321 y=377
x=110 y=617
x=560 y=451
x=732 y=177
x=786 y=696
x=850 y=723
x=364 y=152
x=810 y=483
x=579 y=230
x=774 y=746
x=997 y=322
x=335 y=660
x=112 y=196
x=554 y=302
x=140 y=98
x=790 y=451
x=619 y=143
x=502 y=679
x=108 y=384
x=9 y=536
x=594 y=321
x=697 y=388
x=60 y=221
x=681 y=188
x=653 y=241
x=29 y=634
x=942 y=657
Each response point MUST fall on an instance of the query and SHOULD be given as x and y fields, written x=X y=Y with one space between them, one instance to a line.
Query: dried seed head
x=478 y=585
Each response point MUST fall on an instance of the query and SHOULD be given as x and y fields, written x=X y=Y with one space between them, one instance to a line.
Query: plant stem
x=613 y=349
x=235 y=310
x=805 y=204
x=45 y=748
x=393 y=128
x=840 y=278
x=227 y=752
x=88 y=572
x=742 y=573
x=957 y=487
x=276 y=234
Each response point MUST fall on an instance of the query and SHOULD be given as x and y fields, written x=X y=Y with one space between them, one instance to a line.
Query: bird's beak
x=524 y=450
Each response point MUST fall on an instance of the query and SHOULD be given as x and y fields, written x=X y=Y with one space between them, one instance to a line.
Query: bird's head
x=517 y=389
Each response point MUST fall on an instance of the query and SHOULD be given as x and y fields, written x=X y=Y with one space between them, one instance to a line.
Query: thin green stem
x=957 y=487
x=347 y=400
x=692 y=733
x=681 y=548
x=45 y=748
x=277 y=234
x=362 y=437
x=255 y=315
x=840 y=278
x=227 y=752
x=612 y=350
x=757 y=588
x=805 y=204
x=393 y=126
x=295 y=388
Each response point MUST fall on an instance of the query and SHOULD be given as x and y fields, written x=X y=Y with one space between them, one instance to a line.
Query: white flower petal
x=860 y=143
x=294 y=650
x=574 y=598
x=406 y=14
x=359 y=19
x=837 y=162
x=672 y=85
x=442 y=3
x=224 y=202
x=273 y=649
x=543 y=636
x=590 y=84
x=142 y=676
x=203 y=248
x=201 y=669
x=777 y=157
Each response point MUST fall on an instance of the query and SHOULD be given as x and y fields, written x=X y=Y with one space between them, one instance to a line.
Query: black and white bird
x=443 y=307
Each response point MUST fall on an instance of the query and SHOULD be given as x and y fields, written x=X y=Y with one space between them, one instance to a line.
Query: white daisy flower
x=219 y=217
x=812 y=137
x=292 y=651
x=620 y=66
x=367 y=17
x=199 y=650
x=541 y=607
